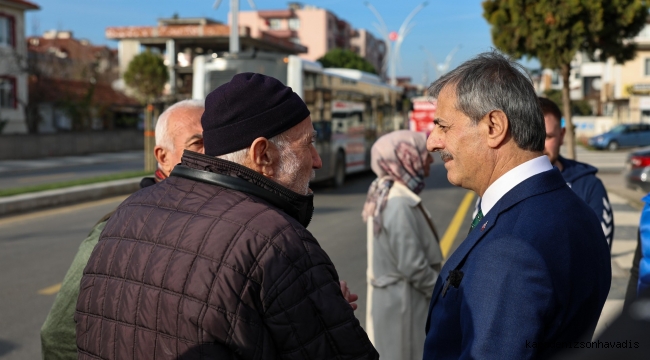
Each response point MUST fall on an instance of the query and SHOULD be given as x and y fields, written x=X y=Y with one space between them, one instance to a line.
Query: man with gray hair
x=177 y=128
x=216 y=261
x=529 y=278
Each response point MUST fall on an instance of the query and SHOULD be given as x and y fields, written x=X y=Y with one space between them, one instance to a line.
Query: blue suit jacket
x=533 y=277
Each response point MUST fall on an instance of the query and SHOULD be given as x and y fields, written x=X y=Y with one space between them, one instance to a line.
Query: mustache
x=445 y=155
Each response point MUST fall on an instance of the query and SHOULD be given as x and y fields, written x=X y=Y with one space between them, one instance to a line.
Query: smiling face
x=459 y=142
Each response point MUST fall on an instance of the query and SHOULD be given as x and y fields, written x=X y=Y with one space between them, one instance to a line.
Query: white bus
x=350 y=109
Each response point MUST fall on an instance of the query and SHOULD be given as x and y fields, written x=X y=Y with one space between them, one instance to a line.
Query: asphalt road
x=36 y=250
x=67 y=172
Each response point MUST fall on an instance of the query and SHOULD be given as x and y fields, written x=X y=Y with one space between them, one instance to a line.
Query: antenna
x=36 y=26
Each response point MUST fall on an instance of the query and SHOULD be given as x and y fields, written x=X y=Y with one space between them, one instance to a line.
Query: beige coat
x=403 y=265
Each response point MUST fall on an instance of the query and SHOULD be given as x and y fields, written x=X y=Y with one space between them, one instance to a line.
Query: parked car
x=637 y=174
x=625 y=135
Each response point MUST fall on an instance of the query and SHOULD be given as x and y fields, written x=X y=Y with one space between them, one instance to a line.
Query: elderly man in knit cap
x=216 y=261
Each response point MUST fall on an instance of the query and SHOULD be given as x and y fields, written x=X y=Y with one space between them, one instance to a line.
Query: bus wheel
x=339 y=170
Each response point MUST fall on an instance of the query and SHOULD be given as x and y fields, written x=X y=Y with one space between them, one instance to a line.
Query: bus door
x=349 y=133
x=322 y=121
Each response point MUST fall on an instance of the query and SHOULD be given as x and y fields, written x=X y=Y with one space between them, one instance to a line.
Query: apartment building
x=619 y=91
x=179 y=40
x=13 y=76
x=316 y=28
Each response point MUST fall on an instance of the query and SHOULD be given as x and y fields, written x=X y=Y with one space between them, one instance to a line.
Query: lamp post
x=440 y=69
x=394 y=39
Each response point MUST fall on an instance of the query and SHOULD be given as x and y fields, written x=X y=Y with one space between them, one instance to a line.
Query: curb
x=13 y=205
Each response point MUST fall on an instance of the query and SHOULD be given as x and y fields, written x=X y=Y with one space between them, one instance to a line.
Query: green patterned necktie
x=476 y=220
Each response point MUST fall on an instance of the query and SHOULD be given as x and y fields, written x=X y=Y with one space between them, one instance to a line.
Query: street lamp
x=393 y=39
x=440 y=69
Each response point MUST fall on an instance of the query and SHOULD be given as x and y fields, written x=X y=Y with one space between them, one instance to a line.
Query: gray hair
x=163 y=137
x=492 y=81
x=289 y=163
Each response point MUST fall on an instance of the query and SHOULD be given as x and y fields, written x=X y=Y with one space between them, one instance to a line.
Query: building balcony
x=282 y=33
x=276 y=14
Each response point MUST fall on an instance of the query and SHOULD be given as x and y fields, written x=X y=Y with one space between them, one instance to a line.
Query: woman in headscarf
x=403 y=252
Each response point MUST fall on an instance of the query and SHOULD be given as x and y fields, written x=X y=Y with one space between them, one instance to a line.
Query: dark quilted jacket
x=189 y=269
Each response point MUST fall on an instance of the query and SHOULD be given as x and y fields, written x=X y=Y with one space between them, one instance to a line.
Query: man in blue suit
x=529 y=279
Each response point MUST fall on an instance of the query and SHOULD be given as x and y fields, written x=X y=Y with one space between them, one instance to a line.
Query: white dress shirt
x=511 y=179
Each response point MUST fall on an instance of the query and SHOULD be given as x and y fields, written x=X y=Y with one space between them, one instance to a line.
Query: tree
x=347 y=59
x=553 y=31
x=147 y=75
x=578 y=107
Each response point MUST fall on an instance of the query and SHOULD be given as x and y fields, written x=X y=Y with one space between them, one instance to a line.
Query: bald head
x=178 y=128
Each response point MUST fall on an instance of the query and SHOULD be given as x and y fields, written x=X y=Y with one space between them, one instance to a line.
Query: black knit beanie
x=249 y=106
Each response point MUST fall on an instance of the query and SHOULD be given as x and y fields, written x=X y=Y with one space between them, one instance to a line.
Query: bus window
x=323 y=130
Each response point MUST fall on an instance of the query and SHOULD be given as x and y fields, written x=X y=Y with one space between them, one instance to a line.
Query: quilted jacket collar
x=227 y=174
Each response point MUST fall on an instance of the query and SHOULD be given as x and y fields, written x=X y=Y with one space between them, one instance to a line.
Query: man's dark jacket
x=213 y=263
x=582 y=179
x=533 y=274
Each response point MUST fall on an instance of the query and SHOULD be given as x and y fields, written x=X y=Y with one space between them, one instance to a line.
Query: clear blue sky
x=439 y=27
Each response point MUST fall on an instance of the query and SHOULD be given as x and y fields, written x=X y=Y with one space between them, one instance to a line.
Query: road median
x=40 y=200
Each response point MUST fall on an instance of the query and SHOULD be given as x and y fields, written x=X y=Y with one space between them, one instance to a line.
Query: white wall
x=8 y=66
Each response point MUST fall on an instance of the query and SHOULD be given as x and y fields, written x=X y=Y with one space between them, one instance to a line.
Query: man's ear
x=161 y=156
x=262 y=157
x=498 y=127
x=562 y=132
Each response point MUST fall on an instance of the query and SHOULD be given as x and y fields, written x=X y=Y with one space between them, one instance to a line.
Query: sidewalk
x=626 y=222
x=627 y=206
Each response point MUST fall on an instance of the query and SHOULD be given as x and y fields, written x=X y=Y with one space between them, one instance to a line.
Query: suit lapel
x=535 y=185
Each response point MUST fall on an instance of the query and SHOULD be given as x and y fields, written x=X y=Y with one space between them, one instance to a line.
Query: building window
x=295 y=40
x=275 y=24
x=555 y=78
x=646 y=67
x=6 y=30
x=7 y=92
x=294 y=23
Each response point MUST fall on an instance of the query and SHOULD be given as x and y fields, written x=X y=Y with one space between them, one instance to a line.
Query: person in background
x=639 y=282
x=404 y=256
x=178 y=128
x=216 y=262
x=534 y=269
x=580 y=177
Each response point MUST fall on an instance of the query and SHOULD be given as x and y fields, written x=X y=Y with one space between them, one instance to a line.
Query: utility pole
x=394 y=39
x=234 y=26
x=234 y=23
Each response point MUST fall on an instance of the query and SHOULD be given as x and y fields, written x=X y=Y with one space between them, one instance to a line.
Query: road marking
x=51 y=290
x=450 y=235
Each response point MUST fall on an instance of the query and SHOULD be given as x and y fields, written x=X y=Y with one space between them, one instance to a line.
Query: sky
x=437 y=29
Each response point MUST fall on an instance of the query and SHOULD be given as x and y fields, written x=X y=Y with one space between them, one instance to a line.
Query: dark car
x=624 y=135
x=638 y=170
